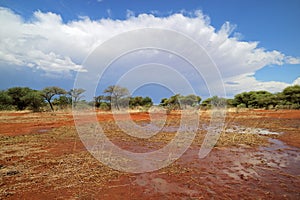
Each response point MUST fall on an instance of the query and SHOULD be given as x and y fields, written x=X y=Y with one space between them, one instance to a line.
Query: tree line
x=117 y=97
x=289 y=98
x=21 y=98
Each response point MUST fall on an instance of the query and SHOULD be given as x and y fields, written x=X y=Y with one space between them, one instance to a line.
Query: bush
x=104 y=106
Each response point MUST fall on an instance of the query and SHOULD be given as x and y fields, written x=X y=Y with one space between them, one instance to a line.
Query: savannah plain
x=256 y=157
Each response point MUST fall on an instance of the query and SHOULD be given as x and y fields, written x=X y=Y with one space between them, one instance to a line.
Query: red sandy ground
x=41 y=157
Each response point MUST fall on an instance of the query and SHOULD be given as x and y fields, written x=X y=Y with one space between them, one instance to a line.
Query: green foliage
x=98 y=100
x=76 y=95
x=190 y=100
x=178 y=101
x=255 y=99
x=115 y=94
x=140 y=102
x=33 y=100
x=104 y=102
x=289 y=98
x=21 y=98
x=62 y=101
x=214 y=101
x=49 y=92
x=17 y=94
x=6 y=101
x=104 y=106
x=292 y=94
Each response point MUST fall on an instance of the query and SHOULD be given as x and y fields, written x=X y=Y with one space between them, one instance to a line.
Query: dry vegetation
x=42 y=157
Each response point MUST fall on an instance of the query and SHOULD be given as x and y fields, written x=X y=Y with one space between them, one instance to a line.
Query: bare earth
x=42 y=157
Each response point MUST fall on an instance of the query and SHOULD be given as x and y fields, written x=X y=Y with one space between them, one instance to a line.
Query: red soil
x=41 y=157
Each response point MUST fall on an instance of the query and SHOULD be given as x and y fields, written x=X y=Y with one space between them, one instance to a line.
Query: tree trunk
x=51 y=106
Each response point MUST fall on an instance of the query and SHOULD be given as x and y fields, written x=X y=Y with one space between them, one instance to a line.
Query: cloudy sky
x=254 y=45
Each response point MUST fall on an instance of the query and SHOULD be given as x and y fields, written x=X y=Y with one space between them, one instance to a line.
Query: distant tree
x=178 y=101
x=49 y=92
x=115 y=93
x=17 y=94
x=135 y=101
x=190 y=100
x=147 y=101
x=98 y=100
x=214 y=101
x=140 y=101
x=6 y=101
x=164 y=102
x=263 y=99
x=292 y=94
x=230 y=102
x=104 y=106
x=242 y=98
x=62 y=101
x=173 y=102
x=255 y=99
x=76 y=95
x=33 y=100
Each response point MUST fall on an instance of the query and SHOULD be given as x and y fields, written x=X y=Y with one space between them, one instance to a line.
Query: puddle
x=160 y=185
x=280 y=155
x=243 y=130
x=43 y=130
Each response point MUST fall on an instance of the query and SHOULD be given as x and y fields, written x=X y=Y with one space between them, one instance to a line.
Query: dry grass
x=237 y=139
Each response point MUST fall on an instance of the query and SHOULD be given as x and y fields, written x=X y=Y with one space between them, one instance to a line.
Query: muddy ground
x=256 y=157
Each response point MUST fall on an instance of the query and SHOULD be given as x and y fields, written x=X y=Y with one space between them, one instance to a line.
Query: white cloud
x=247 y=82
x=47 y=43
x=297 y=81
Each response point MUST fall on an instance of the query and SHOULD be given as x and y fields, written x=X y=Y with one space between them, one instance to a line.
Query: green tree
x=242 y=98
x=62 y=101
x=264 y=99
x=147 y=101
x=6 y=101
x=140 y=101
x=76 y=95
x=98 y=100
x=115 y=94
x=17 y=94
x=190 y=100
x=164 y=102
x=34 y=100
x=292 y=94
x=214 y=101
x=49 y=92
x=135 y=101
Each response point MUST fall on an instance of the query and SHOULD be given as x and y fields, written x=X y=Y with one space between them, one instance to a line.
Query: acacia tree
x=140 y=101
x=63 y=101
x=5 y=101
x=190 y=100
x=292 y=94
x=49 y=92
x=16 y=94
x=214 y=101
x=76 y=95
x=178 y=101
x=115 y=93
x=34 y=100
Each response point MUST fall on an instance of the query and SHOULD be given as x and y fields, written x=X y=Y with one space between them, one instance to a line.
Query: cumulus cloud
x=247 y=82
x=297 y=81
x=46 y=42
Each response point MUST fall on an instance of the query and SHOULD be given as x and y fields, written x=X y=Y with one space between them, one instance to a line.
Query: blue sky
x=273 y=24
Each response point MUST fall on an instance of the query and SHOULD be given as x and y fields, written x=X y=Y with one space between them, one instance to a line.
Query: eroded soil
x=42 y=157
